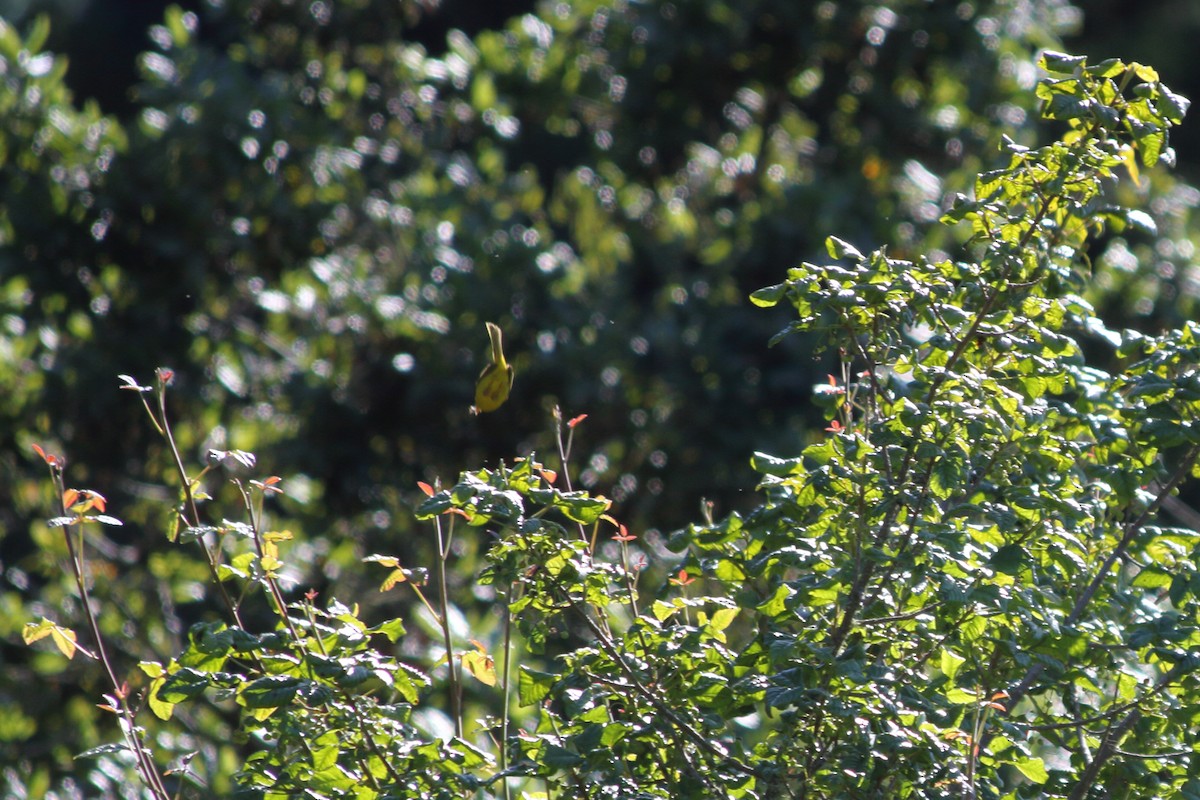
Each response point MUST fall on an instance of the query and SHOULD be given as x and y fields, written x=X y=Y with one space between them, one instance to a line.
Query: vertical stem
x=507 y=692
x=629 y=584
x=273 y=589
x=564 y=451
x=444 y=602
x=163 y=424
x=564 y=454
x=145 y=763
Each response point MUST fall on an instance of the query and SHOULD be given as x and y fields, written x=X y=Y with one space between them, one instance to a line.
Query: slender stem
x=1107 y=716
x=268 y=577
x=163 y=424
x=564 y=455
x=75 y=552
x=629 y=579
x=972 y=744
x=455 y=686
x=564 y=451
x=504 y=717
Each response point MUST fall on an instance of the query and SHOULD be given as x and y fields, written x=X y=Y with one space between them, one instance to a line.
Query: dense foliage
x=310 y=219
x=964 y=589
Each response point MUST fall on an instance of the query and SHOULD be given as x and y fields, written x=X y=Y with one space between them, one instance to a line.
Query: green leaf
x=613 y=733
x=1174 y=106
x=209 y=645
x=1151 y=147
x=325 y=751
x=1009 y=559
x=769 y=296
x=158 y=706
x=722 y=617
x=945 y=478
x=581 y=507
x=1109 y=68
x=1033 y=768
x=961 y=697
x=271 y=691
x=1061 y=63
x=661 y=609
x=727 y=569
x=183 y=684
x=152 y=668
x=778 y=467
x=439 y=503
x=1064 y=107
x=1190 y=790
x=393 y=629
x=560 y=757
x=534 y=686
x=839 y=248
x=951 y=662
x=1152 y=578
x=776 y=604
x=1145 y=73
x=408 y=680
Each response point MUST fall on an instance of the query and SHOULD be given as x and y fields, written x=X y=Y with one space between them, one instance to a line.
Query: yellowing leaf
x=480 y=665
x=270 y=558
x=1129 y=157
x=396 y=577
x=33 y=631
x=63 y=638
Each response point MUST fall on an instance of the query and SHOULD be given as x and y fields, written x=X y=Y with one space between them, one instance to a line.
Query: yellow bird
x=491 y=390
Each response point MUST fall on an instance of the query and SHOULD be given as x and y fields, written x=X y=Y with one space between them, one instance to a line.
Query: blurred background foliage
x=309 y=209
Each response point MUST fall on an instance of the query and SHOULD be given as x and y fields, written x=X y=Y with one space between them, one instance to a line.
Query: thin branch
x=1154 y=756
x=1108 y=749
x=145 y=762
x=900 y=617
x=455 y=688
x=163 y=424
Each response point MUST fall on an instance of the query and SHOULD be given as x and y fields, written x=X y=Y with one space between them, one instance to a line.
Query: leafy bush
x=966 y=589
